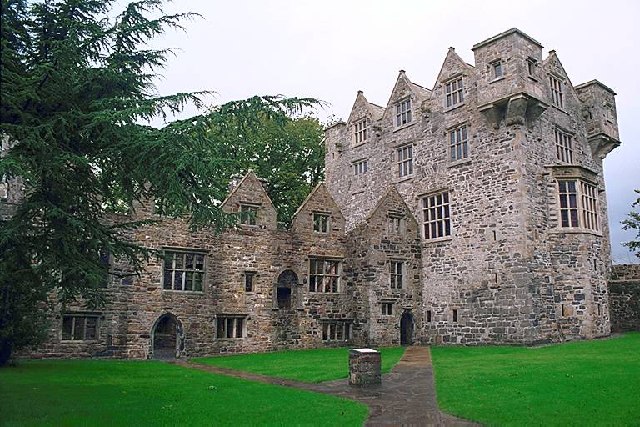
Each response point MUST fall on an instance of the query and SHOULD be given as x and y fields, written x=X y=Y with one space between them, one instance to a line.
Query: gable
x=250 y=193
x=319 y=202
x=381 y=219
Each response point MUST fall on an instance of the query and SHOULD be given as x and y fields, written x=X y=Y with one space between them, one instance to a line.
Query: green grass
x=130 y=393
x=579 y=383
x=310 y=366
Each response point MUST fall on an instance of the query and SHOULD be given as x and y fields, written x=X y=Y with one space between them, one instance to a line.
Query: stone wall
x=624 y=297
x=508 y=271
x=369 y=260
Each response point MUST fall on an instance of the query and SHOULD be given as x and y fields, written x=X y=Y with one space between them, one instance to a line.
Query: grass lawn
x=310 y=366
x=579 y=383
x=138 y=393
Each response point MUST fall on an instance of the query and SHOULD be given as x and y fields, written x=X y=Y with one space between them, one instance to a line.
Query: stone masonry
x=472 y=212
x=500 y=164
x=624 y=297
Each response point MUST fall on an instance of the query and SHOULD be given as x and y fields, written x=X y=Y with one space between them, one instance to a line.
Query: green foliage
x=127 y=393
x=633 y=223
x=578 y=383
x=77 y=88
x=312 y=366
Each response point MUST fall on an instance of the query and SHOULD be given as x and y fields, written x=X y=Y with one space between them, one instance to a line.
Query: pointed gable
x=363 y=116
x=249 y=196
x=405 y=96
x=561 y=92
x=318 y=204
x=392 y=217
x=453 y=82
x=453 y=65
x=363 y=108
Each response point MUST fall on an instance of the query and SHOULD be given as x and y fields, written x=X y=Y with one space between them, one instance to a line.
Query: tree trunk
x=5 y=351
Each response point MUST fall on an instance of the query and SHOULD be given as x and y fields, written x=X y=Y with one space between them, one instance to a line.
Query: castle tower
x=501 y=166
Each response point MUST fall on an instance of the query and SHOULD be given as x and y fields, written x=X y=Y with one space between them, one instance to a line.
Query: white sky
x=330 y=49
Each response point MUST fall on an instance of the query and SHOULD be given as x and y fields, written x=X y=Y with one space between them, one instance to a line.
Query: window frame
x=386 y=308
x=564 y=146
x=403 y=112
x=321 y=222
x=436 y=213
x=404 y=160
x=396 y=224
x=223 y=321
x=397 y=273
x=336 y=330
x=497 y=69
x=326 y=279
x=458 y=143
x=578 y=205
x=249 y=278
x=84 y=317
x=248 y=214
x=201 y=272
x=454 y=92
x=532 y=65
x=360 y=167
x=360 y=131
x=557 y=94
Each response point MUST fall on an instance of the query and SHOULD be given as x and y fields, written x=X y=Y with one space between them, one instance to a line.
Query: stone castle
x=473 y=212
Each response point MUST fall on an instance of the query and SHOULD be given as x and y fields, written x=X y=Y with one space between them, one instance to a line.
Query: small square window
x=320 y=222
x=360 y=167
x=230 y=327
x=497 y=69
x=387 y=308
x=454 y=92
x=405 y=161
x=248 y=214
x=360 y=131
x=336 y=330
x=403 y=112
x=324 y=275
x=395 y=224
x=79 y=327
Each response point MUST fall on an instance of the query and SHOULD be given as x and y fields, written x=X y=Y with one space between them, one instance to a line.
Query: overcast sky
x=331 y=49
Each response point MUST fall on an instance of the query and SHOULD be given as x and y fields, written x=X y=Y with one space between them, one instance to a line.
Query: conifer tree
x=77 y=89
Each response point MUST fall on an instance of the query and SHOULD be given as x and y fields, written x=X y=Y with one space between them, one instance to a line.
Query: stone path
x=405 y=397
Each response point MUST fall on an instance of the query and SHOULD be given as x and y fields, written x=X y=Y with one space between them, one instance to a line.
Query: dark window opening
x=455 y=314
x=284 y=297
x=248 y=281
x=429 y=319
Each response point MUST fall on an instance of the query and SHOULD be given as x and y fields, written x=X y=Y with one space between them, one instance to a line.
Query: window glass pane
x=67 y=327
x=197 y=281
x=78 y=328
x=91 y=332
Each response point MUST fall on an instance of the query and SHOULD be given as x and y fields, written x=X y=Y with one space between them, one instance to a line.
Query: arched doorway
x=406 y=328
x=167 y=334
x=287 y=281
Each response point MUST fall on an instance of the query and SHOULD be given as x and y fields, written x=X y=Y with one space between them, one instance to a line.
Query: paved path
x=405 y=397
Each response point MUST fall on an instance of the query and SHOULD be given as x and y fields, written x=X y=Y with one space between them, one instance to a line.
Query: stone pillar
x=364 y=367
